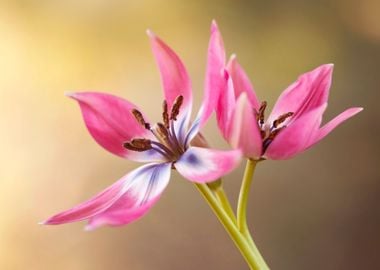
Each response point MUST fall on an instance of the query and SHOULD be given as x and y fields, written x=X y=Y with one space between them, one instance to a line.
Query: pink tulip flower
x=121 y=128
x=294 y=124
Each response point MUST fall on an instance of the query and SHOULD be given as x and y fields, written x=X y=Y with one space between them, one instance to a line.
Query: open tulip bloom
x=123 y=129
x=292 y=126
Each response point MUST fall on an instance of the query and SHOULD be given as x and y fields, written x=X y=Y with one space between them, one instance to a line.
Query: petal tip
x=150 y=33
x=330 y=66
x=214 y=26
x=70 y=94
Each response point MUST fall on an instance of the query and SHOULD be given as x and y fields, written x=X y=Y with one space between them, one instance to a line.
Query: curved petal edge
x=203 y=165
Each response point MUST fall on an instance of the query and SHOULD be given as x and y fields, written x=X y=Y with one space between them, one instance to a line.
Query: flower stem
x=230 y=227
x=242 y=209
x=217 y=188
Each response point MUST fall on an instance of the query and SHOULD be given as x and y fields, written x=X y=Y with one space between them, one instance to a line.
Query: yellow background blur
x=317 y=211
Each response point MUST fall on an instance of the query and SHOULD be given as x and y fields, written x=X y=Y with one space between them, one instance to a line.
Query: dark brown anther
x=260 y=114
x=162 y=131
x=281 y=119
x=268 y=140
x=165 y=114
x=138 y=144
x=176 y=106
x=139 y=117
x=275 y=132
x=263 y=134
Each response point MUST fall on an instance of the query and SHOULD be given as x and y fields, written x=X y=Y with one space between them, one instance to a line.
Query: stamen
x=160 y=146
x=176 y=106
x=263 y=133
x=275 y=132
x=138 y=144
x=165 y=114
x=281 y=119
x=139 y=117
x=162 y=131
x=267 y=141
x=163 y=135
x=174 y=138
x=260 y=114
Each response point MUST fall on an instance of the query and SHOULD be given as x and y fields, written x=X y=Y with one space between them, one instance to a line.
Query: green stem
x=217 y=188
x=230 y=227
x=223 y=199
x=242 y=209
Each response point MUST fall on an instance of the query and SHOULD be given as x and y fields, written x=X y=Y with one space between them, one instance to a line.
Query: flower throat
x=268 y=133
x=167 y=142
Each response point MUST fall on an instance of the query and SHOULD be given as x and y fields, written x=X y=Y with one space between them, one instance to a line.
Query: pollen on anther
x=140 y=118
x=176 y=107
x=165 y=114
x=281 y=119
x=260 y=115
x=138 y=144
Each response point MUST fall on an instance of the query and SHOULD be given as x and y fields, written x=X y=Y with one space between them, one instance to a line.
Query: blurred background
x=319 y=210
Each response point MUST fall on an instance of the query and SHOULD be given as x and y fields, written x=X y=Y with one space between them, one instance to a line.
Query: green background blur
x=319 y=210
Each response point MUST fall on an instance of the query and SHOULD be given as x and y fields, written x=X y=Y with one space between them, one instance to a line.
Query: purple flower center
x=166 y=142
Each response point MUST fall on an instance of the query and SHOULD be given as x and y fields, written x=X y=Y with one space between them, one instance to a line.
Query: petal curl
x=297 y=136
x=242 y=84
x=133 y=195
x=175 y=80
x=310 y=91
x=244 y=131
x=330 y=126
x=110 y=122
x=203 y=165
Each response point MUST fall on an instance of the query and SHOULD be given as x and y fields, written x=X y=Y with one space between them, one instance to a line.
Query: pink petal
x=310 y=91
x=91 y=207
x=110 y=122
x=174 y=76
x=225 y=106
x=205 y=165
x=297 y=136
x=215 y=76
x=135 y=186
x=330 y=126
x=242 y=84
x=123 y=212
x=143 y=193
x=244 y=131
